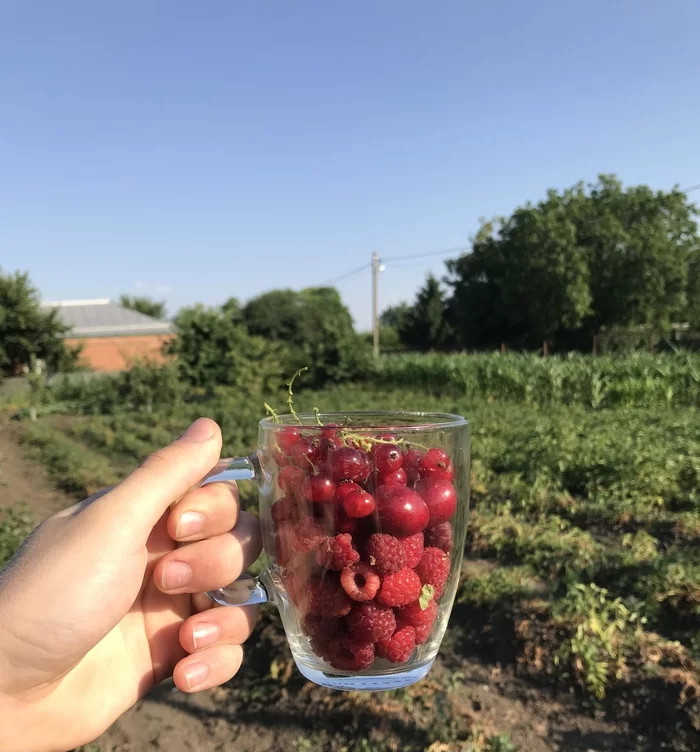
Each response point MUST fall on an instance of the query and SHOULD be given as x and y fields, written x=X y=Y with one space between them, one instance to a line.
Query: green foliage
x=214 y=349
x=641 y=379
x=147 y=306
x=28 y=332
x=590 y=257
x=15 y=526
x=316 y=328
x=425 y=326
x=605 y=632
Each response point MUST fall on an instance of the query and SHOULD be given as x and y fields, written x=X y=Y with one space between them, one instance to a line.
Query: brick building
x=111 y=336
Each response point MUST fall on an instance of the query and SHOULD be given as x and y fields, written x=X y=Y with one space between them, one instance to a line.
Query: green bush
x=15 y=526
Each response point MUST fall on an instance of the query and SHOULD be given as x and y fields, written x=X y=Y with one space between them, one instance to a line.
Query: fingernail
x=200 y=430
x=196 y=673
x=176 y=574
x=190 y=523
x=204 y=634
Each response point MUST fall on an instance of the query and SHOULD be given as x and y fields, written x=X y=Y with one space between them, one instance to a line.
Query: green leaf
x=426 y=595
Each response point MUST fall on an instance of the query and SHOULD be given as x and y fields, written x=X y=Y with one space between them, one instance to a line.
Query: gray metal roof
x=104 y=318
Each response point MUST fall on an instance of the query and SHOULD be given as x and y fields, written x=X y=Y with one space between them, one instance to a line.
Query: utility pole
x=375 y=312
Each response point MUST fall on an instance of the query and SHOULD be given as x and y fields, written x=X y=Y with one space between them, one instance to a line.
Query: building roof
x=102 y=317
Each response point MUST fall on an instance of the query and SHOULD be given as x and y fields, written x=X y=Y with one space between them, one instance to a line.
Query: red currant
x=411 y=463
x=346 y=463
x=393 y=478
x=318 y=488
x=287 y=437
x=440 y=496
x=305 y=454
x=401 y=511
x=436 y=463
x=387 y=458
x=358 y=504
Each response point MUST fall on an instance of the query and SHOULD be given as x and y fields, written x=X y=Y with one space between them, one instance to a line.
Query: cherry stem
x=272 y=413
x=317 y=416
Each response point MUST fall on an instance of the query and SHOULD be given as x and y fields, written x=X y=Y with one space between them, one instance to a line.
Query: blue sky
x=197 y=151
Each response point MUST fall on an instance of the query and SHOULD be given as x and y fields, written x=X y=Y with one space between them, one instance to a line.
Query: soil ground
x=301 y=717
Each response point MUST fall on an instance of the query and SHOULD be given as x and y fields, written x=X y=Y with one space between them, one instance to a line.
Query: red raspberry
x=345 y=463
x=352 y=655
x=420 y=619
x=393 y=478
x=413 y=546
x=360 y=581
x=441 y=498
x=287 y=437
x=308 y=535
x=327 y=598
x=371 y=622
x=411 y=462
x=318 y=488
x=434 y=569
x=400 y=588
x=290 y=479
x=386 y=553
x=321 y=627
x=436 y=463
x=337 y=553
x=387 y=458
x=440 y=537
x=287 y=509
x=399 y=646
x=401 y=511
x=358 y=504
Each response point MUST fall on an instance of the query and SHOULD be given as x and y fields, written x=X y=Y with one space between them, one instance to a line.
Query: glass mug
x=363 y=517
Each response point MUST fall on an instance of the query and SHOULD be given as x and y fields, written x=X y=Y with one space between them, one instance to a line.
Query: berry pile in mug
x=363 y=537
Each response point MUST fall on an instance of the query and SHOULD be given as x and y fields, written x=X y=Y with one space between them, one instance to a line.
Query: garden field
x=577 y=624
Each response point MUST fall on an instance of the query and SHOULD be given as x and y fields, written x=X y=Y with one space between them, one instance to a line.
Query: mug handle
x=246 y=590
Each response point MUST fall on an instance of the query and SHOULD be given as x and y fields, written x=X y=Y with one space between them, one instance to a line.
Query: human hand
x=100 y=603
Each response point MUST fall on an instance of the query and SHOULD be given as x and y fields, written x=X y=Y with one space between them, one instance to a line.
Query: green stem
x=290 y=398
x=272 y=413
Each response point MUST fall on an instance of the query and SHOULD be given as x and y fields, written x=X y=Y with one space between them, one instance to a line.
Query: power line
x=692 y=188
x=444 y=252
x=345 y=275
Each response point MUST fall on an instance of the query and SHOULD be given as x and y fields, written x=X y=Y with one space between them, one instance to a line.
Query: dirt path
x=309 y=719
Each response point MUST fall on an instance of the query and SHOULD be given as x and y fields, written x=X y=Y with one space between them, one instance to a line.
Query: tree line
x=586 y=260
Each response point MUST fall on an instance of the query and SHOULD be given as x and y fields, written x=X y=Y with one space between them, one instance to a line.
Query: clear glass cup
x=364 y=517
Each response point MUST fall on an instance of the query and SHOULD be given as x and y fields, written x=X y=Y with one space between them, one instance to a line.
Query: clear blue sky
x=195 y=151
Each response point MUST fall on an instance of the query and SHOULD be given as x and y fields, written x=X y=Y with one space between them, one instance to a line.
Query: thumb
x=144 y=495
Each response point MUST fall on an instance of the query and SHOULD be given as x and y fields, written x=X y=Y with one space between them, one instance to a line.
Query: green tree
x=28 y=332
x=426 y=326
x=590 y=257
x=147 y=306
x=316 y=327
x=395 y=316
x=212 y=349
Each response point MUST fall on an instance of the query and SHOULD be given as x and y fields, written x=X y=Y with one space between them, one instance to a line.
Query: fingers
x=212 y=563
x=204 y=512
x=163 y=478
x=208 y=667
x=231 y=625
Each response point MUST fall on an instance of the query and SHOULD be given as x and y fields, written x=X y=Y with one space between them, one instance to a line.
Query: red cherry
x=287 y=437
x=346 y=463
x=401 y=511
x=440 y=496
x=318 y=488
x=281 y=459
x=290 y=479
x=358 y=504
x=342 y=523
x=330 y=431
x=305 y=454
x=411 y=462
x=387 y=458
x=327 y=444
x=395 y=478
x=436 y=463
